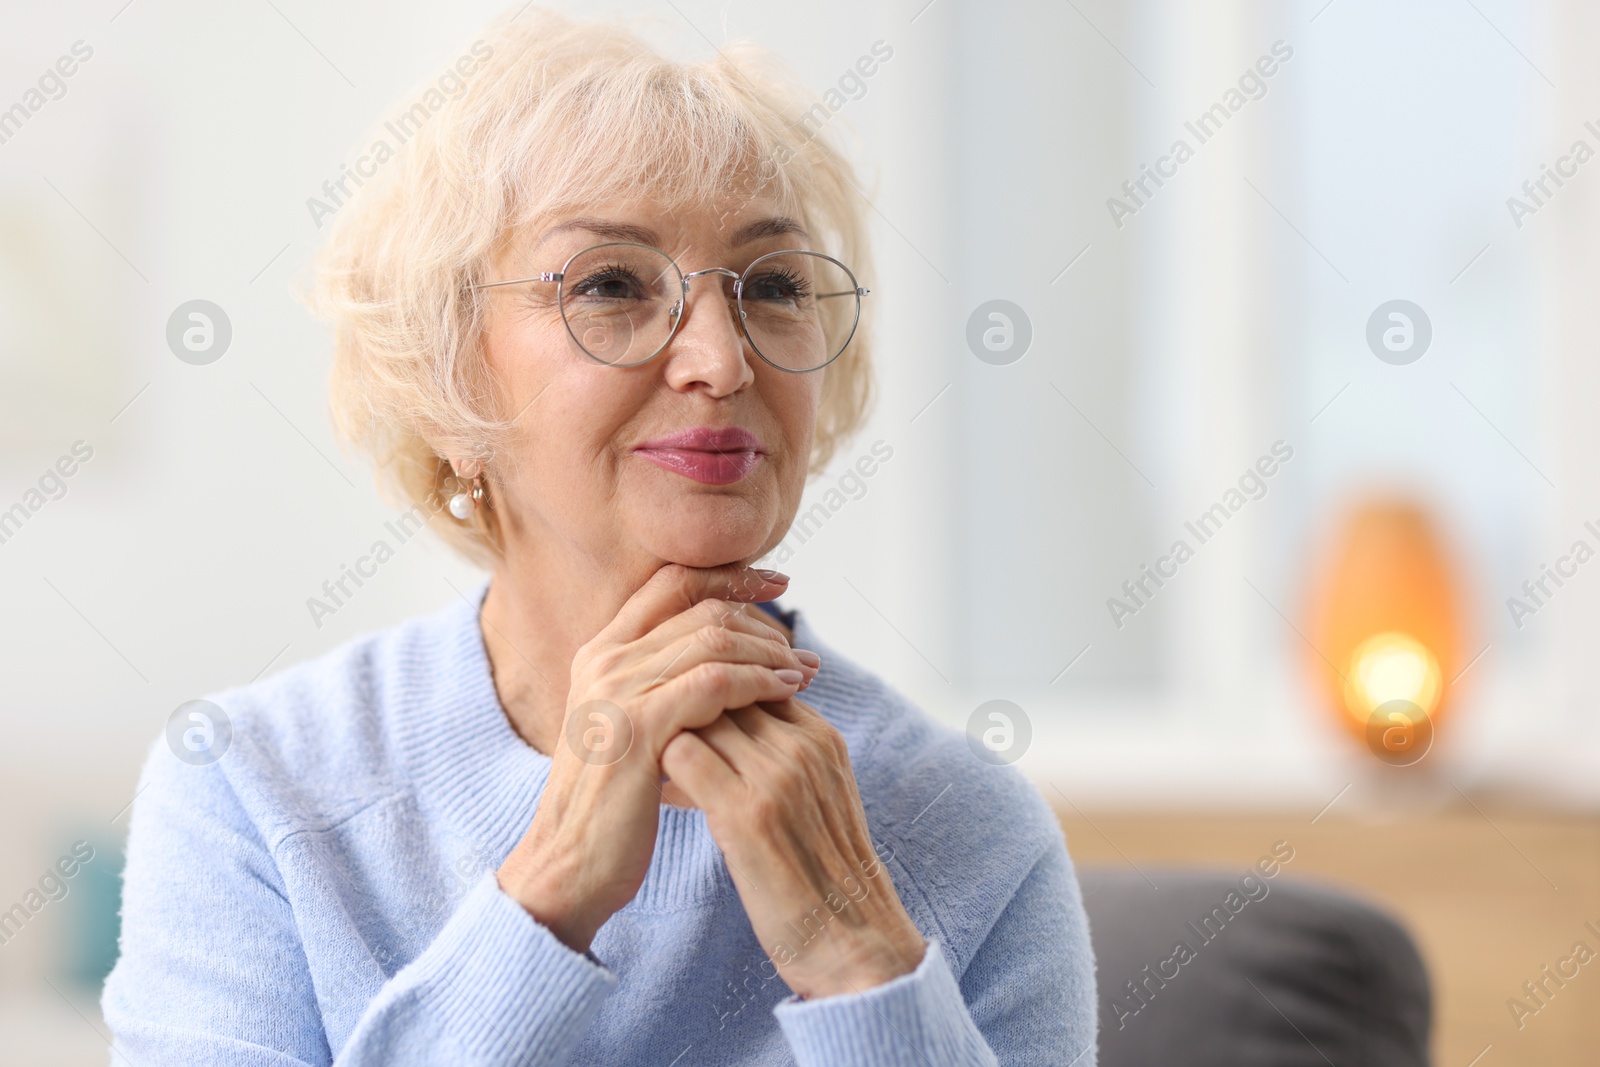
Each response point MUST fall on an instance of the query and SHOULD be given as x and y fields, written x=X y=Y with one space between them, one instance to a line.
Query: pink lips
x=708 y=455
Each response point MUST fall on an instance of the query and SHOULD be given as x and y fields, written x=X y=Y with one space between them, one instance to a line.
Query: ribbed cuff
x=506 y=986
x=914 y=1020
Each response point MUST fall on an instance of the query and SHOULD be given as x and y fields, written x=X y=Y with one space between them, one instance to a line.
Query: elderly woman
x=598 y=314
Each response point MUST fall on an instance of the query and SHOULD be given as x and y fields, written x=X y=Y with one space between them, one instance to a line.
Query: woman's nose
x=708 y=351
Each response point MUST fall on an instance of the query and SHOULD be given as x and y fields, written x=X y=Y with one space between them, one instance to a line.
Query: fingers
x=674 y=589
x=726 y=614
x=797 y=712
x=760 y=618
x=793 y=726
x=698 y=696
x=759 y=722
x=696 y=768
x=761 y=743
x=715 y=643
x=739 y=749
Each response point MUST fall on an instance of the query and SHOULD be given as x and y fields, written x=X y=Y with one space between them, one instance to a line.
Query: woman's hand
x=780 y=799
x=684 y=649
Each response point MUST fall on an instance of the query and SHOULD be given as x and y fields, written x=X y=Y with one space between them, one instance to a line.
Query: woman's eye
x=776 y=286
x=610 y=285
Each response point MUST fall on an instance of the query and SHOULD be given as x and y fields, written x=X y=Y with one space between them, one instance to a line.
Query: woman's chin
x=694 y=550
x=705 y=530
x=705 y=544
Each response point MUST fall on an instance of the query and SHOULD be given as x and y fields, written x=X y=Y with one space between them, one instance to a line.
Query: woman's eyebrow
x=773 y=226
x=607 y=228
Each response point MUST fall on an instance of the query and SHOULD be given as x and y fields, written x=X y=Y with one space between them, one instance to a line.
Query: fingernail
x=772 y=576
x=790 y=677
x=808 y=657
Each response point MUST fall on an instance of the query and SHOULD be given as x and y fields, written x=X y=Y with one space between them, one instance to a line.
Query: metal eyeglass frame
x=559 y=277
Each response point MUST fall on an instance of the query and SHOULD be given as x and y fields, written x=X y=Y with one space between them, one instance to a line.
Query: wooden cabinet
x=1492 y=896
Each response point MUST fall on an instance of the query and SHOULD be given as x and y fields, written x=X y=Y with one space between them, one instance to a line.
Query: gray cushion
x=1284 y=973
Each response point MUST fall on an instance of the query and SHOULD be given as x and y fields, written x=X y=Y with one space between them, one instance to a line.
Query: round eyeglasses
x=623 y=302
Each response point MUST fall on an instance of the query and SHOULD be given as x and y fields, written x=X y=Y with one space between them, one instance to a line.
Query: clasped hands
x=698 y=688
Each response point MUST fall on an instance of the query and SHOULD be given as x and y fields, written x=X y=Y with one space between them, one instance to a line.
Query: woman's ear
x=465 y=469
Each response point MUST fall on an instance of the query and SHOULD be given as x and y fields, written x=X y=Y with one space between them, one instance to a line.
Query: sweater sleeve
x=1026 y=999
x=1031 y=985
x=212 y=971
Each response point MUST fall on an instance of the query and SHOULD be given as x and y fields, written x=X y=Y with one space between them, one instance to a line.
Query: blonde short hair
x=543 y=115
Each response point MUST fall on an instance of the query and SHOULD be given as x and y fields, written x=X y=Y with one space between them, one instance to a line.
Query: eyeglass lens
x=621 y=302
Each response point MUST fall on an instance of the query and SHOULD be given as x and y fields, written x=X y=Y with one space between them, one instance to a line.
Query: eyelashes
x=614 y=272
x=793 y=285
x=782 y=284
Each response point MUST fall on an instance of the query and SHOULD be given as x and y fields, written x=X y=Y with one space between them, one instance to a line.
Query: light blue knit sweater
x=325 y=893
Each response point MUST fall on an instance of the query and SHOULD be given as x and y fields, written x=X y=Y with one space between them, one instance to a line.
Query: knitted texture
x=325 y=894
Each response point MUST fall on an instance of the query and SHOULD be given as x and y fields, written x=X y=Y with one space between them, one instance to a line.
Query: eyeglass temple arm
x=547 y=276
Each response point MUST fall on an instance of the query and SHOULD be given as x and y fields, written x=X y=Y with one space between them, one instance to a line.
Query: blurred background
x=1305 y=288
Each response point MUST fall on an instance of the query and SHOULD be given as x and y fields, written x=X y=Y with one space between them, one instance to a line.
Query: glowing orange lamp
x=1386 y=627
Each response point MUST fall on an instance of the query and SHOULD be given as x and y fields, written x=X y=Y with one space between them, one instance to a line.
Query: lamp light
x=1386 y=627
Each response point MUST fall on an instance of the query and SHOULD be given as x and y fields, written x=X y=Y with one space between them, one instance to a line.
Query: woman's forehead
x=732 y=221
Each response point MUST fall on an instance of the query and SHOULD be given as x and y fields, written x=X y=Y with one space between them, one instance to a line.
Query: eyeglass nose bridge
x=738 y=282
x=712 y=270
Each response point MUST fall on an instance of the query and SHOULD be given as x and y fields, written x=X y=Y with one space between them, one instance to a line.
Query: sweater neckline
x=470 y=768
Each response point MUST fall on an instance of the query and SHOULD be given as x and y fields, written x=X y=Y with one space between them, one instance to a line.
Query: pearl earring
x=464 y=503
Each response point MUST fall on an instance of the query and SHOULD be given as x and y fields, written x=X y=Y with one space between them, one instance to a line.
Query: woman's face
x=697 y=456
